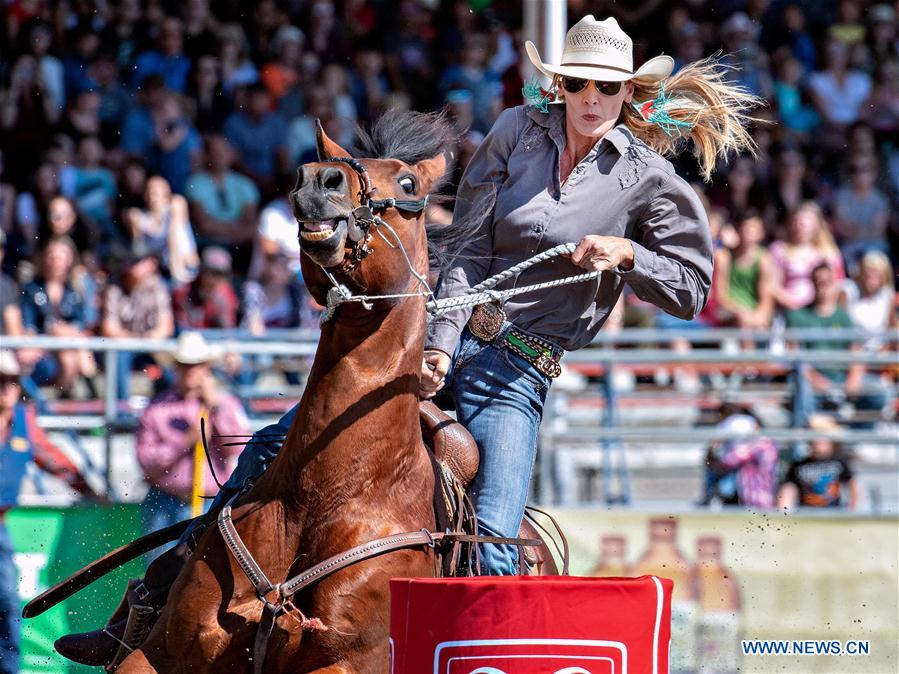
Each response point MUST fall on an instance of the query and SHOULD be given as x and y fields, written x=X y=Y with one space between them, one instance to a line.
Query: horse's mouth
x=319 y=231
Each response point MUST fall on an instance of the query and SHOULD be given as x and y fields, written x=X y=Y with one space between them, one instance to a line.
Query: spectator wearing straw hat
x=824 y=479
x=21 y=441
x=169 y=431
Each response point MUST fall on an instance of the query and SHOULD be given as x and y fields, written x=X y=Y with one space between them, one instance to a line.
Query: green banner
x=52 y=543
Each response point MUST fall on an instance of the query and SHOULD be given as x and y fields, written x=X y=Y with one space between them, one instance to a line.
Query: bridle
x=359 y=224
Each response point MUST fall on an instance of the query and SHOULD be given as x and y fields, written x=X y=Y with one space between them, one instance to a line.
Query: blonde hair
x=880 y=262
x=823 y=242
x=703 y=107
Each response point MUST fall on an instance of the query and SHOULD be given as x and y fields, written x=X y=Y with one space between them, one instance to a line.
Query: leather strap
x=241 y=554
x=100 y=567
x=407 y=205
x=270 y=613
x=380 y=546
x=565 y=552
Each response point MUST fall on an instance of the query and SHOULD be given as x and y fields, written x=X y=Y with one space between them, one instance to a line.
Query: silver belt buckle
x=486 y=321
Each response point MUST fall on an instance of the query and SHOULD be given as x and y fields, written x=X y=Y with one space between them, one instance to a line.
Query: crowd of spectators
x=147 y=148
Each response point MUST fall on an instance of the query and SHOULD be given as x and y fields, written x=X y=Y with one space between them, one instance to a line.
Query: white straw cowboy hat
x=600 y=50
x=193 y=349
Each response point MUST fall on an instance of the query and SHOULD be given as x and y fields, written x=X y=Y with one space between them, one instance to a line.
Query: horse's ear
x=327 y=148
x=431 y=170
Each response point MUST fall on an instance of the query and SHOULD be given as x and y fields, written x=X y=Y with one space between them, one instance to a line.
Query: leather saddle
x=449 y=441
x=453 y=447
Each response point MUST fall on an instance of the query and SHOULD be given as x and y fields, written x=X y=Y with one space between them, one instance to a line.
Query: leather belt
x=487 y=322
x=538 y=352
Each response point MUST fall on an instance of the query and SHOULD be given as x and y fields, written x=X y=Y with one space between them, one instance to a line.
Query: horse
x=353 y=466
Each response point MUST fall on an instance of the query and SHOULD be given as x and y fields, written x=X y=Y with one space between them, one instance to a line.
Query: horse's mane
x=412 y=136
x=407 y=135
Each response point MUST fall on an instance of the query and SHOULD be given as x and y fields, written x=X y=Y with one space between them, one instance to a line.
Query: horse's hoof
x=96 y=648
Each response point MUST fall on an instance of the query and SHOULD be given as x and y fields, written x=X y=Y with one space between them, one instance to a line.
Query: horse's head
x=360 y=218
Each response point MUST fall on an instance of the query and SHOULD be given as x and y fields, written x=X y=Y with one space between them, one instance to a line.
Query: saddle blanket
x=530 y=625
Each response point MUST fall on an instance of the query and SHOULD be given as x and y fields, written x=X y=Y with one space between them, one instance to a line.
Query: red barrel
x=530 y=625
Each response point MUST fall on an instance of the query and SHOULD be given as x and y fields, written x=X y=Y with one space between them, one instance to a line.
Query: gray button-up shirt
x=512 y=198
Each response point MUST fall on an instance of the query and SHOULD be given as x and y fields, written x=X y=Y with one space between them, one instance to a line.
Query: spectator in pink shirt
x=741 y=470
x=170 y=429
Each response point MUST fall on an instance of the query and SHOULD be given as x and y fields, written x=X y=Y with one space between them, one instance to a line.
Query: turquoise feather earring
x=654 y=112
x=539 y=97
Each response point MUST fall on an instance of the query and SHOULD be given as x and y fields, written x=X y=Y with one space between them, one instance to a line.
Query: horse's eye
x=408 y=184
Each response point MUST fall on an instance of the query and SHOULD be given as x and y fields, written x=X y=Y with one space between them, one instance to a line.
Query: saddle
x=452 y=447
x=449 y=441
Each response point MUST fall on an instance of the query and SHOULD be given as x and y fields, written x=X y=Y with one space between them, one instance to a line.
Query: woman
x=277 y=300
x=742 y=285
x=808 y=243
x=52 y=306
x=588 y=171
x=869 y=297
x=164 y=229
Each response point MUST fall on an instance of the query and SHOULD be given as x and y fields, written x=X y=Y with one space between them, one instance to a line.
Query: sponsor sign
x=513 y=625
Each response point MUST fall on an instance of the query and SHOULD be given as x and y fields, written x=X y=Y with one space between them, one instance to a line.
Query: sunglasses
x=575 y=85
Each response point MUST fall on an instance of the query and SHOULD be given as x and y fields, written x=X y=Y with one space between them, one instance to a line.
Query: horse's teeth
x=320 y=235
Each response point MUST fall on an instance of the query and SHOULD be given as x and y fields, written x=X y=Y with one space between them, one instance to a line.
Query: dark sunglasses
x=575 y=85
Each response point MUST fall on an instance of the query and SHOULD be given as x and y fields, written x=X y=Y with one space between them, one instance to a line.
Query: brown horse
x=353 y=467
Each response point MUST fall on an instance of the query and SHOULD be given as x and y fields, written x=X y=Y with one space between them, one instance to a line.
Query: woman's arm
x=672 y=251
x=182 y=245
x=475 y=204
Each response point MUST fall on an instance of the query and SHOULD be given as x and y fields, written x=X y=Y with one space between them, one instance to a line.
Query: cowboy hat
x=193 y=349
x=600 y=50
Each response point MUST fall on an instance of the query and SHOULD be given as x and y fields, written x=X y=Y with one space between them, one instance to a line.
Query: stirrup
x=136 y=630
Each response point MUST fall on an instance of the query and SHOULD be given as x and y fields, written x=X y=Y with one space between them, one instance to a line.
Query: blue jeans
x=499 y=398
x=10 y=621
x=128 y=362
x=158 y=511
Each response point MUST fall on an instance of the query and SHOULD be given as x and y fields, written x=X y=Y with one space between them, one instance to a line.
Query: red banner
x=537 y=625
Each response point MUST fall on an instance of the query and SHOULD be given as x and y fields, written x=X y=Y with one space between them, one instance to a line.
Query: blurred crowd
x=148 y=147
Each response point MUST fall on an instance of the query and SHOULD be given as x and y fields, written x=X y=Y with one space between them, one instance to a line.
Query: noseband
x=359 y=224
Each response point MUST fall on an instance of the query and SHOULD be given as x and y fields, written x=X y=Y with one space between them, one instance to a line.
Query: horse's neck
x=361 y=399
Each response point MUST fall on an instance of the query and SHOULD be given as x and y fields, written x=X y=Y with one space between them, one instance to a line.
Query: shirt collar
x=554 y=119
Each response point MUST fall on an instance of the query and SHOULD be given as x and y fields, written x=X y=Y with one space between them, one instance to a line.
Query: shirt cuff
x=642 y=268
x=442 y=335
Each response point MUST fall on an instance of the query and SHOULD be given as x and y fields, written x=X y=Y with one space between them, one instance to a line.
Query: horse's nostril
x=302 y=178
x=332 y=179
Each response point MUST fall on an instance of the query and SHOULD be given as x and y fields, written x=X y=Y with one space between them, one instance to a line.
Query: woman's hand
x=434 y=367
x=600 y=253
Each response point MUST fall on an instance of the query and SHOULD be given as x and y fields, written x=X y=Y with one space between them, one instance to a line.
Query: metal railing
x=602 y=352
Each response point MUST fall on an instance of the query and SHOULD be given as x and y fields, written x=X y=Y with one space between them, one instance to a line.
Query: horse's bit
x=359 y=224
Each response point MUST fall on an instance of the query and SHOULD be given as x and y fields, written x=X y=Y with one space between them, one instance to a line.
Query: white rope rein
x=482 y=293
